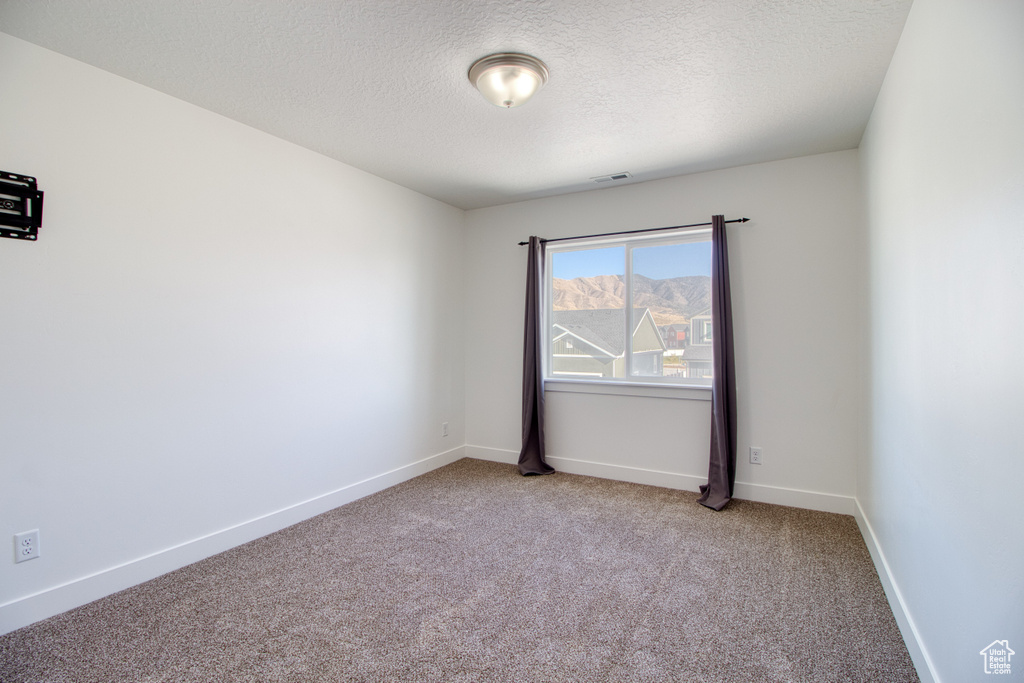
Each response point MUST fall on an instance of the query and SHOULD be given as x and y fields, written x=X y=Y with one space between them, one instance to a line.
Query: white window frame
x=666 y=387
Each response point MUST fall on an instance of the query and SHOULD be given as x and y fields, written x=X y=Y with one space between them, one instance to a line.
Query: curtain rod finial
x=744 y=219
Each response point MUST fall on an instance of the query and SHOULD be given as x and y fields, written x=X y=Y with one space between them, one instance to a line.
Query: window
x=630 y=310
x=702 y=330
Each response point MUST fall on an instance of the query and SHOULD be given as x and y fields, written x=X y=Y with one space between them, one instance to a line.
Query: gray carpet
x=473 y=573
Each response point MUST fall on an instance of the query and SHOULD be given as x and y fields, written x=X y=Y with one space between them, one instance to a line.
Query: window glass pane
x=672 y=311
x=588 y=313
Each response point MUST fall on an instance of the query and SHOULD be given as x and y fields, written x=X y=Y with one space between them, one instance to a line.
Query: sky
x=657 y=263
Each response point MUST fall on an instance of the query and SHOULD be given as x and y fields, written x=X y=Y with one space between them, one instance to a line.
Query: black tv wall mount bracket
x=21 y=206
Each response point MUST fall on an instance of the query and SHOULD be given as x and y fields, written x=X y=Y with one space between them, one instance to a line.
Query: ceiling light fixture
x=508 y=79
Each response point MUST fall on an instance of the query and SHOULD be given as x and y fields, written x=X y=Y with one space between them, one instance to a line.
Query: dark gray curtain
x=722 y=465
x=531 y=457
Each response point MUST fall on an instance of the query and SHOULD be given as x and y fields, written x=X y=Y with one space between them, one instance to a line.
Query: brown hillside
x=673 y=300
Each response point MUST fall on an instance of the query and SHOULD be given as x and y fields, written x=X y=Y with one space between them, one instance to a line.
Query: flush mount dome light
x=508 y=79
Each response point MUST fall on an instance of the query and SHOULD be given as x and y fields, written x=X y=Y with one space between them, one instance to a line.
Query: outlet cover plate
x=26 y=545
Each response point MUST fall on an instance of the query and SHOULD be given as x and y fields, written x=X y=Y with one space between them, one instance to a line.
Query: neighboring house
x=591 y=343
x=690 y=343
x=675 y=335
x=700 y=329
x=697 y=352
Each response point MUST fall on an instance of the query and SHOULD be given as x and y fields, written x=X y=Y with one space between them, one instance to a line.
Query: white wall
x=214 y=326
x=798 y=269
x=941 y=484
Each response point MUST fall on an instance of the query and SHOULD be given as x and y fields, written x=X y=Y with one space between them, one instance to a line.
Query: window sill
x=688 y=393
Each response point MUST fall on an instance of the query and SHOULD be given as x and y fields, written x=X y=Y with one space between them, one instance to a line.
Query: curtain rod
x=630 y=232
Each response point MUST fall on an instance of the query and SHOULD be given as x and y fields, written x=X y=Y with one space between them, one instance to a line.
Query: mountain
x=673 y=300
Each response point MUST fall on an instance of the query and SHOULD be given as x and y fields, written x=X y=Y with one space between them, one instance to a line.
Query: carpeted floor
x=473 y=573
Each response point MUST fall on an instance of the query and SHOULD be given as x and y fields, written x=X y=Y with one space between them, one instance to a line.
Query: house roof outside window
x=600 y=327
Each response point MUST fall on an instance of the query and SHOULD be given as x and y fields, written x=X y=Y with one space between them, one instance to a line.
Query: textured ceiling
x=653 y=87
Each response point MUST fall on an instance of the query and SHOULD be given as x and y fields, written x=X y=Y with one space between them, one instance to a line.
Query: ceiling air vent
x=613 y=177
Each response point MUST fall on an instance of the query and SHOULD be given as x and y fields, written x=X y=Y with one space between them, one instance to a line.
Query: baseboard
x=918 y=653
x=32 y=608
x=797 y=498
x=493 y=454
x=636 y=475
x=809 y=500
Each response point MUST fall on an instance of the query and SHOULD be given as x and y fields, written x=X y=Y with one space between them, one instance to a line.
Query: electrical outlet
x=756 y=455
x=26 y=545
x=444 y=429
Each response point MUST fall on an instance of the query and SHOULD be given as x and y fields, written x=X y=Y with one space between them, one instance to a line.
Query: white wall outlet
x=756 y=455
x=26 y=545
x=444 y=429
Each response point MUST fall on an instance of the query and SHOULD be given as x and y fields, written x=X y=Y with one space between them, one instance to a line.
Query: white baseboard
x=809 y=500
x=918 y=654
x=32 y=608
x=493 y=454
x=797 y=498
